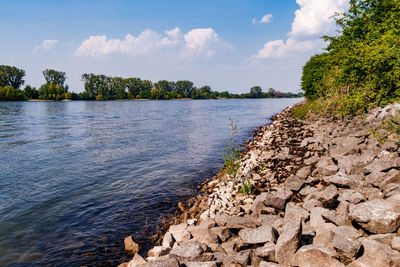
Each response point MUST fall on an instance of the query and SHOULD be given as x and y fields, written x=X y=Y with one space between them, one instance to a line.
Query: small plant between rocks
x=232 y=152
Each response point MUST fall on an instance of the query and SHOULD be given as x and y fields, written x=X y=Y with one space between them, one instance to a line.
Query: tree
x=184 y=88
x=55 y=77
x=11 y=76
x=30 y=92
x=255 y=92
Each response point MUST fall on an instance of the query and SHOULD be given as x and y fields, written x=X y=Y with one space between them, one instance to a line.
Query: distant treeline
x=102 y=87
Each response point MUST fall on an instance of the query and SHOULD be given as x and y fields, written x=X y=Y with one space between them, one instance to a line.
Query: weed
x=232 y=152
x=246 y=187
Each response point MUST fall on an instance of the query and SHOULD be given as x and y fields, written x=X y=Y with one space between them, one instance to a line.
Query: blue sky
x=229 y=45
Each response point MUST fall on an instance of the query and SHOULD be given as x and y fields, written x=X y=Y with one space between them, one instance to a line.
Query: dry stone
x=259 y=235
x=288 y=242
x=131 y=247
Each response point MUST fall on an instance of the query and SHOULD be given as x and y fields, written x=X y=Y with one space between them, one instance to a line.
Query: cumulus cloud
x=196 y=41
x=312 y=19
x=266 y=19
x=201 y=41
x=45 y=45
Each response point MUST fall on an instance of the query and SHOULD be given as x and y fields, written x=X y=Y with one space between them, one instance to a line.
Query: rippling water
x=77 y=177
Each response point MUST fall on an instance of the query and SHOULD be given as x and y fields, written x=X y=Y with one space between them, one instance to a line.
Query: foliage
x=9 y=93
x=361 y=66
x=31 y=92
x=246 y=187
x=51 y=92
x=11 y=76
x=232 y=152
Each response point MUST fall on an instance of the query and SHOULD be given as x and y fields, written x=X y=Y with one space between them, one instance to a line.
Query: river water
x=77 y=177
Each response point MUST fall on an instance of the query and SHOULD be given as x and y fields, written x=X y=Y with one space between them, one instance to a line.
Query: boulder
x=345 y=242
x=317 y=258
x=378 y=216
x=137 y=261
x=292 y=211
x=168 y=240
x=131 y=247
x=167 y=262
x=222 y=232
x=241 y=258
x=278 y=198
x=207 y=223
x=203 y=235
x=201 y=264
x=336 y=218
x=288 y=242
x=267 y=251
x=190 y=250
x=240 y=223
x=329 y=251
x=259 y=235
x=180 y=233
x=304 y=172
x=294 y=183
x=396 y=243
x=158 y=251
x=351 y=196
x=344 y=180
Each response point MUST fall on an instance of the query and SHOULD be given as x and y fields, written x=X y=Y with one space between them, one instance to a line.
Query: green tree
x=30 y=92
x=11 y=76
x=55 y=77
x=255 y=92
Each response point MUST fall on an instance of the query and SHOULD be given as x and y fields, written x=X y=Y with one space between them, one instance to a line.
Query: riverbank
x=325 y=192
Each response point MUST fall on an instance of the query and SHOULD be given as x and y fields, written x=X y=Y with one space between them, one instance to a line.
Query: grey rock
x=377 y=216
x=294 y=183
x=304 y=172
x=346 y=243
x=222 y=232
x=204 y=235
x=267 y=251
x=351 y=196
x=317 y=258
x=259 y=235
x=293 y=211
x=278 y=199
x=344 y=180
x=329 y=251
x=189 y=250
x=241 y=258
x=158 y=251
x=396 y=243
x=207 y=223
x=336 y=218
x=180 y=233
x=201 y=264
x=137 y=261
x=168 y=240
x=240 y=223
x=288 y=242
x=167 y=262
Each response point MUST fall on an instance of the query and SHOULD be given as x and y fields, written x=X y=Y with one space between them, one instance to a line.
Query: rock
x=259 y=235
x=233 y=245
x=309 y=204
x=170 y=262
x=241 y=258
x=326 y=167
x=308 y=190
x=278 y=199
x=344 y=180
x=329 y=251
x=346 y=243
x=328 y=196
x=240 y=223
x=179 y=232
x=351 y=196
x=336 y=218
x=222 y=232
x=396 y=243
x=269 y=219
x=292 y=211
x=207 y=224
x=137 y=261
x=158 y=251
x=131 y=247
x=202 y=264
x=304 y=172
x=317 y=258
x=294 y=183
x=190 y=250
x=168 y=240
x=377 y=216
x=268 y=264
x=222 y=219
x=288 y=242
x=316 y=218
x=204 y=235
x=267 y=251
x=377 y=254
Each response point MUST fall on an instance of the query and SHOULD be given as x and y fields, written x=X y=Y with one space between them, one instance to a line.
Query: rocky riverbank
x=325 y=192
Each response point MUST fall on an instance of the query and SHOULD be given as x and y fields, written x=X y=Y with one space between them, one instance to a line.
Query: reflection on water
x=77 y=177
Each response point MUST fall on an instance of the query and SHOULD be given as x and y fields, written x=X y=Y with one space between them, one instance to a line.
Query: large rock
x=240 y=223
x=168 y=240
x=304 y=172
x=377 y=216
x=267 y=251
x=222 y=232
x=377 y=254
x=293 y=211
x=351 y=196
x=180 y=233
x=137 y=261
x=329 y=251
x=288 y=242
x=201 y=264
x=317 y=258
x=344 y=180
x=203 y=235
x=191 y=250
x=279 y=198
x=158 y=251
x=167 y=262
x=259 y=235
x=131 y=247
x=241 y=258
x=346 y=243
x=294 y=183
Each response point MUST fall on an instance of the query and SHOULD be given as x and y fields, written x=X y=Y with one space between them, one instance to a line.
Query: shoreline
x=325 y=193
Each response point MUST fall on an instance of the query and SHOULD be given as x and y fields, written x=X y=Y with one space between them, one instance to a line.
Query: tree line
x=102 y=87
x=360 y=68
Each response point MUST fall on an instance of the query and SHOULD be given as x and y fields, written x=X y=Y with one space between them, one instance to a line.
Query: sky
x=227 y=44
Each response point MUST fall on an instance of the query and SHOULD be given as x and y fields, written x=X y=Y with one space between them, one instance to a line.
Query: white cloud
x=315 y=17
x=312 y=19
x=280 y=48
x=196 y=41
x=201 y=41
x=266 y=19
x=46 y=45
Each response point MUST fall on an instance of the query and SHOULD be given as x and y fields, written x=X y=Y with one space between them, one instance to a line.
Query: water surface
x=77 y=177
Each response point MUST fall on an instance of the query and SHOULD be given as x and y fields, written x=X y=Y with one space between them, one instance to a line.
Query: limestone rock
x=294 y=183
x=259 y=235
x=288 y=242
x=377 y=216
x=267 y=251
x=278 y=199
x=168 y=262
x=396 y=243
x=180 y=233
x=317 y=258
x=158 y=251
x=131 y=247
x=241 y=258
x=240 y=223
x=222 y=232
x=190 y=250
x=168 y=240
x=346 y=243
x=137 y=261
